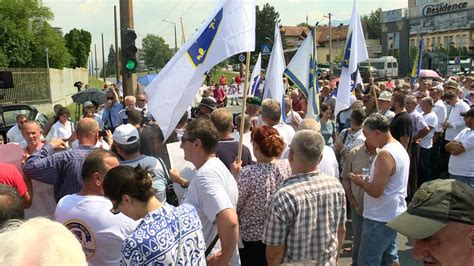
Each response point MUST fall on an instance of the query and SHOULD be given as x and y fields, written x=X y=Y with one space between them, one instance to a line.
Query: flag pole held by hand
x=244 y=104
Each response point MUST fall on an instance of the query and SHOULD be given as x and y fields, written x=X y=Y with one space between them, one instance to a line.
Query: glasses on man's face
x=115 y=209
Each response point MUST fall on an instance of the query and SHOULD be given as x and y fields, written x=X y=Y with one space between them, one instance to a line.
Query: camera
x=78 y=85
x=102 y=133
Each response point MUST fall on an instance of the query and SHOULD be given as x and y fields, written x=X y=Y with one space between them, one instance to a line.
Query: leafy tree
x=111 y=61
x=304 y=24
x=374 y=23
x=19 y=19
x=266 y=17
x=155 y=51
x=47 y=37
x=78 y=42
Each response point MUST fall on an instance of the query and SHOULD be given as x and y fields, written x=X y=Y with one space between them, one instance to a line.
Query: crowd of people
x=399 y=159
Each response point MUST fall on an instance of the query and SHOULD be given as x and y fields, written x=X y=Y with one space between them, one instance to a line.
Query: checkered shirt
x=305 y=214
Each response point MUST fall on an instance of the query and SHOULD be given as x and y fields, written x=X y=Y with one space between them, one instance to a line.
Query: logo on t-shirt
x=84 y=234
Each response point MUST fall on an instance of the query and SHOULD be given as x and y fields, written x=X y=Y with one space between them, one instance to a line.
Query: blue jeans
x=357 y=222
x=466 y=179
x=378 y=245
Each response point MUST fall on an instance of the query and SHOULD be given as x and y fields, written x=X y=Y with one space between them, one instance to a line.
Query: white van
x=386 y=65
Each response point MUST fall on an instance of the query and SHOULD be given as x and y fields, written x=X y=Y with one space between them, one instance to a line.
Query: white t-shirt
x=152 y=164
x=392 y=201
x=440 y=110
x=432 y=121
x=14 y=135
x=60 y=131
x=212 y=190
x=100 y=232
x=329 y=164
x=455 y=120
x=463 y=164
x=286 y=132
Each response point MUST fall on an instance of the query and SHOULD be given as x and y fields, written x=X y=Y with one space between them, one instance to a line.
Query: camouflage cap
x=435 y=204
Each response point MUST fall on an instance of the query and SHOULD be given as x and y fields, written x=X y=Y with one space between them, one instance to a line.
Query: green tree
x=374 y=23
x=19 y=19
x=78 y=42
x=266 y=17
x=52 y=39
x=111 y=61
x=155 y=51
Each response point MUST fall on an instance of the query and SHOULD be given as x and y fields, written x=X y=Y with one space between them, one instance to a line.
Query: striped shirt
x=304 y=215
x=61 y=169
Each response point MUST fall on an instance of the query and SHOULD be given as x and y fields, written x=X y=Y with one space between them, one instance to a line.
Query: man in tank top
x=385 y=192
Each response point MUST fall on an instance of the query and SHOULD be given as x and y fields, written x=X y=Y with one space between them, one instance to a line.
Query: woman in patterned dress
x=257 y=183
x=166 y=235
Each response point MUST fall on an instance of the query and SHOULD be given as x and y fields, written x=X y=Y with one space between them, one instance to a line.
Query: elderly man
x=87 y=213
x=127 y=145
x=63 y=169
x=440 y=220
x=385 y=99
x=110 y=116
x=305 y=220
x=32 y=133
x=14 y=134
x=271 y=114
x=358 y=161
x=426 y=142
x=212 y=191
x=461 y=148
x=11 y=205
x=385 y=192
x=439 y=108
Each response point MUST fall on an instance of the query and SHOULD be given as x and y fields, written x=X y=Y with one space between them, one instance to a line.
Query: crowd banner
x=185 y=168
x=274 y=87
x=302 y=71
x=228 y=31
x=355 y=52
x=256 y=79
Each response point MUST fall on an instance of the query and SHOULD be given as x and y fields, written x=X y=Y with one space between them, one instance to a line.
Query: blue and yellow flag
x=415 y=71
x=228 y=31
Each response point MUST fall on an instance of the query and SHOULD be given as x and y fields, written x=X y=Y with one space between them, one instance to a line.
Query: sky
x=97 y=16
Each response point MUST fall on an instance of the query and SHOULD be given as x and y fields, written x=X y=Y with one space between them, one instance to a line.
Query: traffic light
x=130 y=52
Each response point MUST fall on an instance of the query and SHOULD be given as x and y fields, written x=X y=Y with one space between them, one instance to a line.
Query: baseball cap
x=88 y=103
x=125 y=134
x=470 y=113
x=208 y=102
x=385 y=96
x=435 y=204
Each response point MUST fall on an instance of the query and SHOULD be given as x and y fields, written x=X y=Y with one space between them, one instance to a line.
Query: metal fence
x=31 y=85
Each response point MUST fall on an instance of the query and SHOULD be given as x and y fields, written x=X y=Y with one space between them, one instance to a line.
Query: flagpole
x=372 y=87
x=244 y=103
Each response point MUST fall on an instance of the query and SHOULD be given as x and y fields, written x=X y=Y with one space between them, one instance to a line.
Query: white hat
x=385 y=96
x=126 y=134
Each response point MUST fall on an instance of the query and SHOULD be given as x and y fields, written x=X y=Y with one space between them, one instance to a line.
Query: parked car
x=8 y=113
x=365 y=75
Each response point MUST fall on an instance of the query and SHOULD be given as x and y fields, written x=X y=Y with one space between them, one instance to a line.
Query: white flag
x=302 y=72
x=274 y=87
x=355 y=52
x=228 y=31
x=255 y=79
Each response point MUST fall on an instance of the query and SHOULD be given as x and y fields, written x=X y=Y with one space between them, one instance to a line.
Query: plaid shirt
x=305 y=214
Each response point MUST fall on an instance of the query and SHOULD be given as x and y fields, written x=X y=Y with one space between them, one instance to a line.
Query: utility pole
x=117 y=57
x=175 y=37
x=330 y=41
x=96 y=66
x=126 y=23
x=47 y=57
x=183 y=36
x=91 y=60
x=104 y=69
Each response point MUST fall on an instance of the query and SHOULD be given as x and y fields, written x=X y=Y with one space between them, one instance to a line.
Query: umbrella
x=145 y=80
x=93 y=95
x=428 y=73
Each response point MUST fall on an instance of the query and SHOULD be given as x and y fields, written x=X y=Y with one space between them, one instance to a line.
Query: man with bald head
x=63 y=169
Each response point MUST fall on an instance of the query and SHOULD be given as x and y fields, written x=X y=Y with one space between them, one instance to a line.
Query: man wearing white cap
x=127 y=144
x=385 y=99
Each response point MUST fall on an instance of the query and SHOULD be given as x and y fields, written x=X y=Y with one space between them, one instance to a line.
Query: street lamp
x=175 y=37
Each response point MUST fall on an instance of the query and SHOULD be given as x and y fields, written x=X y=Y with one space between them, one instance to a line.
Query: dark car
x=8 y=113
x=365 y=75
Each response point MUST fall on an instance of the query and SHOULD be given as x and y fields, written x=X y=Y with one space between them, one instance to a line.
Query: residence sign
x=441 y=8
